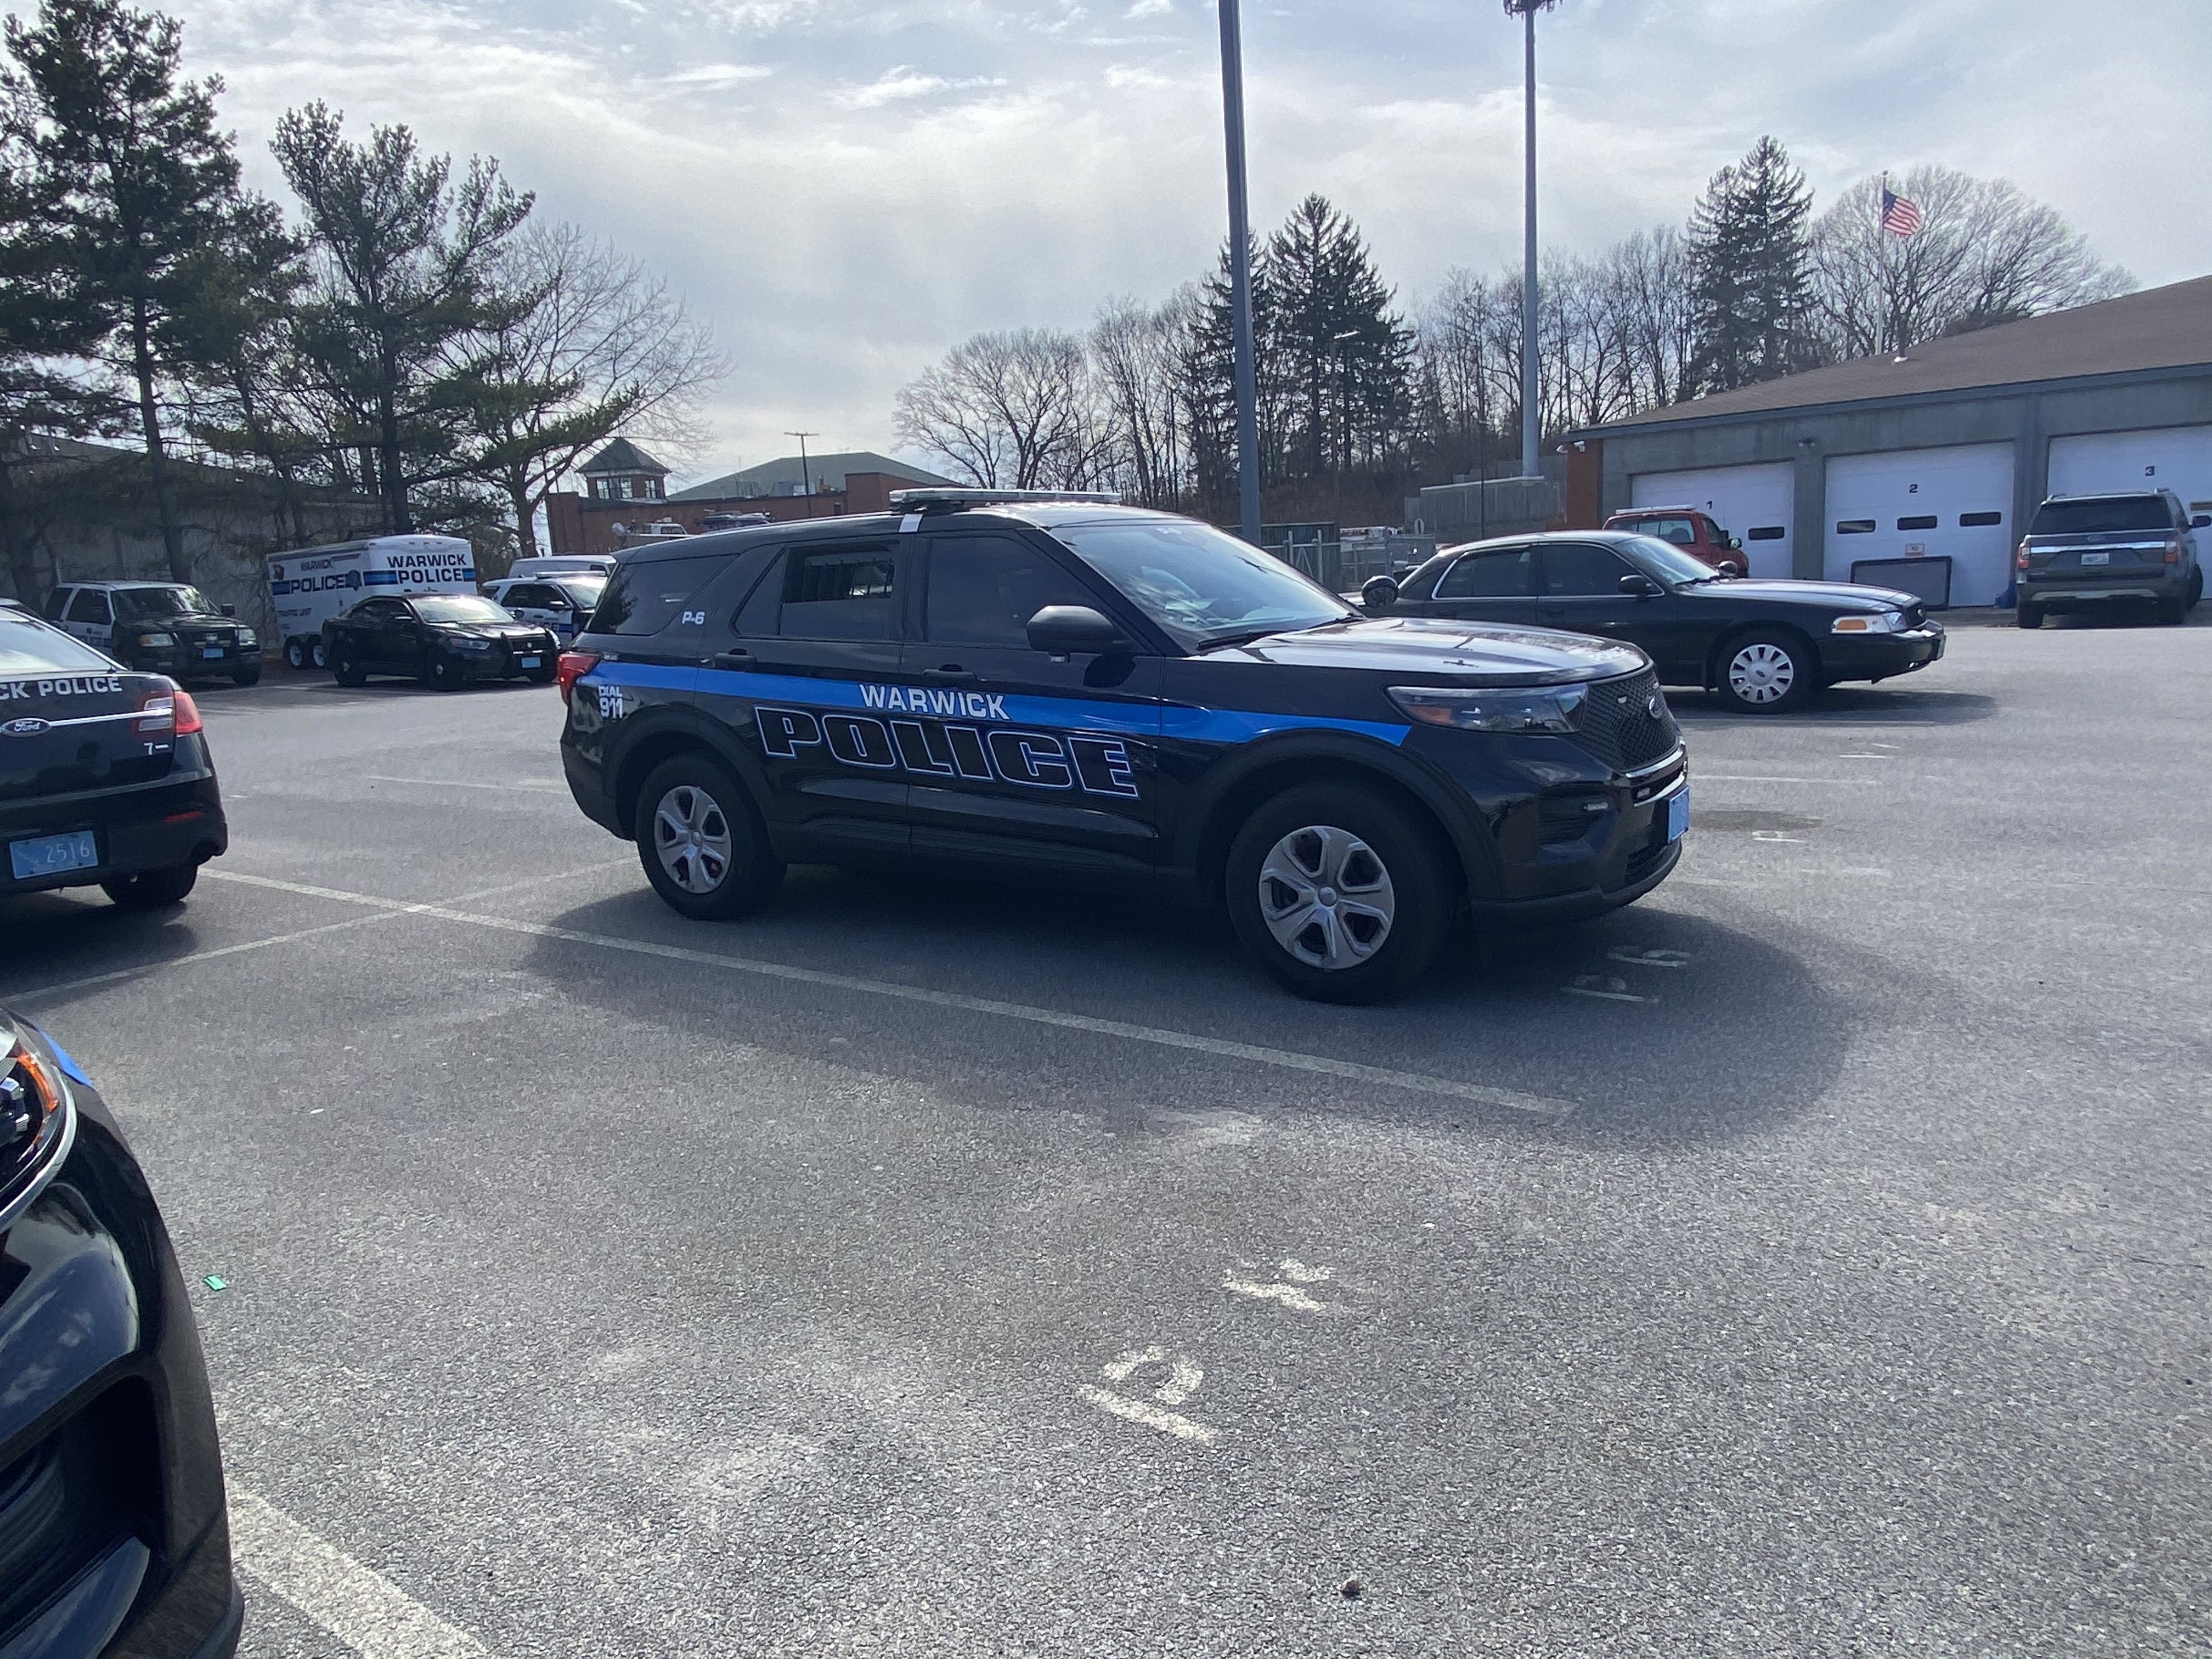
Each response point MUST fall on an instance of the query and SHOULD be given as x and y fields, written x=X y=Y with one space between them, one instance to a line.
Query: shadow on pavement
x=1859 y=705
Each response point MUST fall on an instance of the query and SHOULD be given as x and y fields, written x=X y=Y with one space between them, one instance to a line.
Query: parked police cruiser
x=1017 y=680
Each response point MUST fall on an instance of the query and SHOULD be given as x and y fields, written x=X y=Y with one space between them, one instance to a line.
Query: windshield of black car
x=27 y=646
x=159 y=604
x=1202 y=585
x=459 y=608
x=2088 y=517
x=1668 y=563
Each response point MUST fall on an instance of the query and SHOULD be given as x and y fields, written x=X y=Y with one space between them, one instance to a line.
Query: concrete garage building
x=1921 y=470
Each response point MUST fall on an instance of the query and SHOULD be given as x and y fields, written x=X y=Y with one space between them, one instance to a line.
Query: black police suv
x=113 y=1534
x=158 y=627
x=1068 y=687
x=444 y=640
x=1765 y=646
x=105 y=774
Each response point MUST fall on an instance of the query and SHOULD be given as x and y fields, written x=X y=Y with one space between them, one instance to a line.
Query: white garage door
x=1753 y=503
x=1933 y=503
x=2176 y=457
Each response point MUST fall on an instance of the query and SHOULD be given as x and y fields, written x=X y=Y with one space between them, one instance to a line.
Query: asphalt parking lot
x=1811 y=1259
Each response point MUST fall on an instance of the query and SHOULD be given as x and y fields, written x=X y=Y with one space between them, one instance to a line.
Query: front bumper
x=112 y=1516
x=504 y=662
x=148 y=826
x=1882 y=656
x=182 y=663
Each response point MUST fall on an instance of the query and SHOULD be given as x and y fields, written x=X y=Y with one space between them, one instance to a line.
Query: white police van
x=312 y=585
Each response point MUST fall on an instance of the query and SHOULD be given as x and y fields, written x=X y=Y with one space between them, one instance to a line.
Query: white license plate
x=530 y=662
x=2096 y=558
x=1677 y=816
x=49 y=856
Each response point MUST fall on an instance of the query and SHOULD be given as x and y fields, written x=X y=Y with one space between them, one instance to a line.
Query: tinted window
x=56 y=600
x=156 y=604
x=582 y=591
x=838 y=593
x=1500 y=574
x=645 y=595
x=1200 y=585
x=984 y=589
x=29 y=647
x=1582 y=571
x=90 y=605
x=376 y=610
x=2087 y=515
x=532 y=593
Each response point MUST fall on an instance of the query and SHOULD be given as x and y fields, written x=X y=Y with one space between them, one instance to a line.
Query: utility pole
x=806 y=477
x=1240 y=275
x=1532 y=409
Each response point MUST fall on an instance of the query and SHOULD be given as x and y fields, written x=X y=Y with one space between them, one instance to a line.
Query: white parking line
x=1739 y=777
x=470 y=783
x=1286 y=1058
x=356 y=1604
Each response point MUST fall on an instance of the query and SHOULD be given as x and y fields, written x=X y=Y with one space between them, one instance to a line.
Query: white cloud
x=845 y=187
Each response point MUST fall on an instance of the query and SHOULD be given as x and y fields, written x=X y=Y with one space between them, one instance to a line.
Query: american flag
x=1899 y=217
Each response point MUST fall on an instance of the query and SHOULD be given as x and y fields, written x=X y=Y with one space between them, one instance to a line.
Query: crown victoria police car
x=1067 y=687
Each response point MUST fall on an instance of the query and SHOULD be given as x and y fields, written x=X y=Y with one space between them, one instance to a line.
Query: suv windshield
x=153 y=604
x=459 y=608
x=28 y=646
x=583 y=592
x=1668 y=563
x=2088 y=515
x=1202 y=585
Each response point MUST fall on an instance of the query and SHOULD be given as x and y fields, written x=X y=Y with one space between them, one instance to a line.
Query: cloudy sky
x=845 y=188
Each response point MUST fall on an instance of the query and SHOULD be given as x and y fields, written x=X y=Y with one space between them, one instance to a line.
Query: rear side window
x=29 y=647
x=838 y=593
x=646 y=595
x=55 y=601
x=90 y=605
x=2090 y=515
x=1501 y=574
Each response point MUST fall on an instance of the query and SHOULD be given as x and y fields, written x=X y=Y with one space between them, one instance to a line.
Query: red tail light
x=188 y=713
x=2021 y=558
x=169 y=711
x=2173 y=552
x=573 y=665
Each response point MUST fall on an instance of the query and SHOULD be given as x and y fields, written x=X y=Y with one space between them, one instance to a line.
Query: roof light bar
x=915 y=501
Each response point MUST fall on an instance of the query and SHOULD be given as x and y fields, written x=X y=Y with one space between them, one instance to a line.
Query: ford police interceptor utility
x=1056 y=685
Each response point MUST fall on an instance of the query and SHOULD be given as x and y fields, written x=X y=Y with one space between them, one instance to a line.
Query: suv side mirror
x=1735 y=544
x=2201 y=521
x=1638 y=586
x=230 y=610
x=1729 y=567
x=1380 y=593
x=1070 y=630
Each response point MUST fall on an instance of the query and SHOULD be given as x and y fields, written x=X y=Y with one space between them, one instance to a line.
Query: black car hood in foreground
x=1444 y=650
x=1839 y=596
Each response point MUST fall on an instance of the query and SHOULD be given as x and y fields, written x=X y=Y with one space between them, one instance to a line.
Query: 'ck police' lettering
x=1034 y=760
x=77 y=685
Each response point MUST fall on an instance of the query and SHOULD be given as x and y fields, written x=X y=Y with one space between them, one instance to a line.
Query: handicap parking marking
x=1640 y=958
x=1184 y=1377
x=1291 y=1287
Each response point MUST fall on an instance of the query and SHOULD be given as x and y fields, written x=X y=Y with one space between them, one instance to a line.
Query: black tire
x=2028 y=615
x=2196 y=588
x=1767 y=672
x=1391 y=850
x=246 y=673
x=295 y=653
x=345 y=666
x=319 y=653
x=444 y=674
x=544 y=676
x=2172 y=611
x=152 y=889
x=728 y=870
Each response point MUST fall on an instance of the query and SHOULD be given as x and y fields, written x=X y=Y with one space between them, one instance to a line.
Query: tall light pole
x=1532 y=411
x=1240 y=275
x=806 y=477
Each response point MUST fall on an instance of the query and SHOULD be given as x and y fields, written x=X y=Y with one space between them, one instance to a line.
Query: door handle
x=737 y=660
x=952 y=674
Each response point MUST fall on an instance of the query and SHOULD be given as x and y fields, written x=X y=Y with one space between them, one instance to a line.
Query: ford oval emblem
x=1651 y=706
x=24 y=728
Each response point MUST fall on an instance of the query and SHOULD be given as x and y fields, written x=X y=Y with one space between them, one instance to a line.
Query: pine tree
x=1750 y=272
x=1340 y=354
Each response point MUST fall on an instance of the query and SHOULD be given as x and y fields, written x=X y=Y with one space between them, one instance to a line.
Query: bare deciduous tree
x=1985 y=254
x=1014 y=409
x=1137 y=353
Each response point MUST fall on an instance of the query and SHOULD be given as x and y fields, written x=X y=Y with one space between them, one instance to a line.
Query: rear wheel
x=2028 y=615
x=295 y=653
x=1341 y=896
x=320 y=653
x=150 y=890
x=345 y=666
x=2195 y=587
x=702 y=845
x=1767 y=673
x=2171 y=611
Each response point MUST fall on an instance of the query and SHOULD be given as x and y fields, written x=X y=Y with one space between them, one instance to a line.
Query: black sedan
x=104 y=775
x=1765 y=646
x=113 y=1533
x=444 y=640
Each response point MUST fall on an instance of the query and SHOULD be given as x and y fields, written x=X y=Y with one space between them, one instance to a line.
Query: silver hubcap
x=693 y=839
x=1762 y=673
x=1326 y=897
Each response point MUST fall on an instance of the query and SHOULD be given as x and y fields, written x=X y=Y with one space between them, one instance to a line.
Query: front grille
x=1642 y=863
x=1568 y=815
x=65 y=1502
x=1915 y=615
x=1618 y=724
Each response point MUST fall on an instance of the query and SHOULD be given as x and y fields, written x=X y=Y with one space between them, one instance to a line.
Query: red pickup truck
x=1694 y=531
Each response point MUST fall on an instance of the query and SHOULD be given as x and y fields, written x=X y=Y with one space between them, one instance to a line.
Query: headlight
x=37 y=1124
x=1508 y=708
x=1882 y=622
x=247 y=636
x=468 y=644
x=157 y=639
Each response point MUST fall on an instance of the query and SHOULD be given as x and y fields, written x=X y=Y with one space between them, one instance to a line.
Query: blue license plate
x=1677 y=816
x=210 y=651
x=530 y=662
x=49 y=855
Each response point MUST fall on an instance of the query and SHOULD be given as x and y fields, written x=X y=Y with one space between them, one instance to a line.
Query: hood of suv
x=1474 y=653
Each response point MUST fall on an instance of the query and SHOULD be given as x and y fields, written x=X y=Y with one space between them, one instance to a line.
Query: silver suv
x=2083 y=552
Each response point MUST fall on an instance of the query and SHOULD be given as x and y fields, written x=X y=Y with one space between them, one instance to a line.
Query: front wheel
x=1769 y=674
x=151 y=889
x=702 y=845
x=444 y=674
x=345 y=666
x=247 y=673
x=1341 y=896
